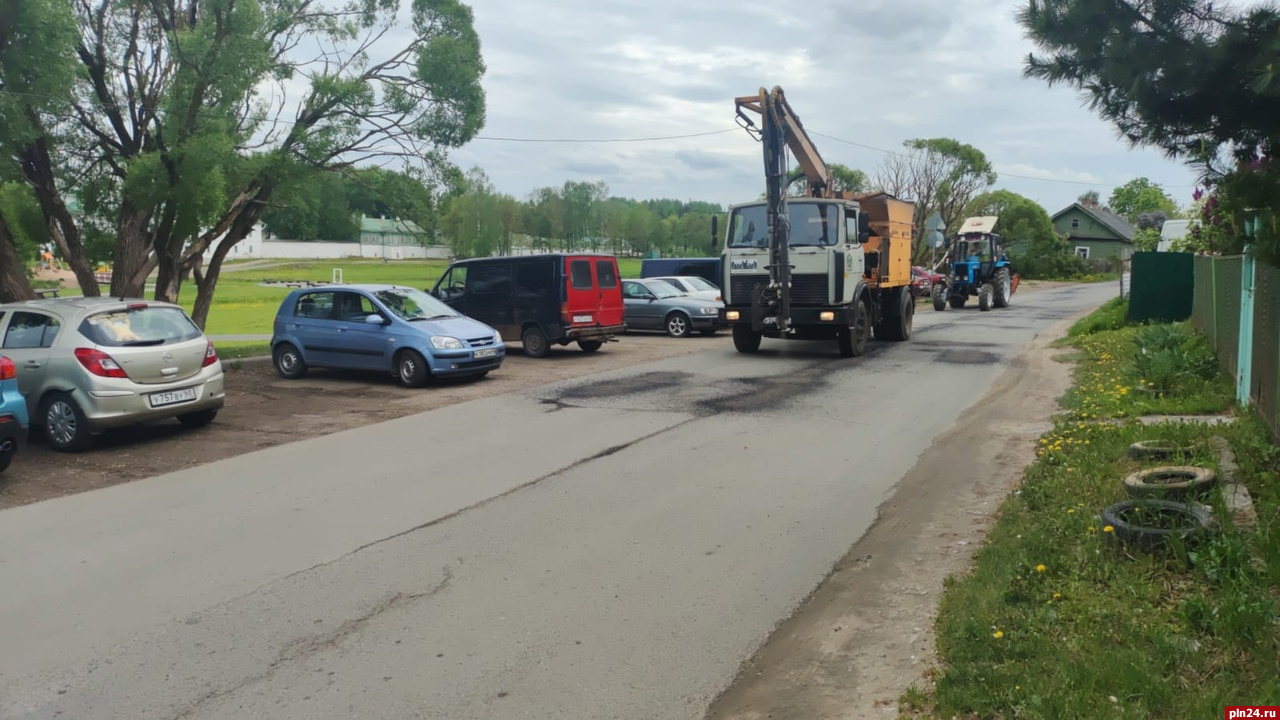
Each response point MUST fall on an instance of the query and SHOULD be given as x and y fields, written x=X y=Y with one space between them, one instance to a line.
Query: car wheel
x=411 y=369
x=590 y=346
x=6 y=457
x=288 y=361
x=197 y=419
x=65 y=425
x=678 y=325
x=534 y=341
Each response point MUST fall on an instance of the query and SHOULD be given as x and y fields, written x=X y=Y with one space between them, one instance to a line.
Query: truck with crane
x=831 y=264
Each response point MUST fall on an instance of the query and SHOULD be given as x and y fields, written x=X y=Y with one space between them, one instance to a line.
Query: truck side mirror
x=715 y=235
x=864 y=228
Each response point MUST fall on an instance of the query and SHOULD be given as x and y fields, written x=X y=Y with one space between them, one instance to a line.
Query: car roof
x=366 y=287
x=82 y=305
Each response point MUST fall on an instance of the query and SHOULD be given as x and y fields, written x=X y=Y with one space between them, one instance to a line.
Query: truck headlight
x=441 y=342
x=731 y=315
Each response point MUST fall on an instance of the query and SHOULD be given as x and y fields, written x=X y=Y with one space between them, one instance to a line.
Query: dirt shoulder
x=264 y=410
x=866 y=633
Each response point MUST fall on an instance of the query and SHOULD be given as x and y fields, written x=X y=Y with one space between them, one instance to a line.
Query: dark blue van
x=706 y=268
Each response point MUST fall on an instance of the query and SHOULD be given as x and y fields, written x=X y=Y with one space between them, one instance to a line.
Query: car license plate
x=486 y=353
x=173 y=397
x=769 y=321
x=582 y=318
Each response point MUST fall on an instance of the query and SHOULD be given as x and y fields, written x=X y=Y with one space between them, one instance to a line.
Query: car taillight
x=99 y=363
x=565 y=315
x=210 y=355
x=8 y=370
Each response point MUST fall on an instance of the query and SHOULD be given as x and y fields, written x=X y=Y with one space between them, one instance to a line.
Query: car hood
x=461 y=327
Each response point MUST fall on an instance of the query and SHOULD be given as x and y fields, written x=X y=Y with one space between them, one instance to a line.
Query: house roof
x=389 y=225
x=1109 y=220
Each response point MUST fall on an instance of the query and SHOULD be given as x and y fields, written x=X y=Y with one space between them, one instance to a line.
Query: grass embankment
x=1057 y=620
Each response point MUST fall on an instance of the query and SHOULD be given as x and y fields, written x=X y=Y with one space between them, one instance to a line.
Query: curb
x=1234 y=495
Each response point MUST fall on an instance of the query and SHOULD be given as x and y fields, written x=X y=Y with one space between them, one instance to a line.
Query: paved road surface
x=609 y=548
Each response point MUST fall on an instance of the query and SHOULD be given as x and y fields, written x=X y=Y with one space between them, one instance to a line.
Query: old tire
x=288 y=361
x=984 y=297
x=197 y=419
x=65 y=426
x=853 y=339
x=939 y=297
x=746 y=340
x=1157 y=450
x=590 y=346
x=534 y=341
x=411 y=369
x=1131 y=522
x=1003 y=288
x=1171 y=481
x=678 y=325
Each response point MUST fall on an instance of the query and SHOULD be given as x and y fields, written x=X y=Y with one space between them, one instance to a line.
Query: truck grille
x=806 y=289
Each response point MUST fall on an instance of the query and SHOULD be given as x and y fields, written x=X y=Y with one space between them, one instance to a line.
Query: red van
x=539 y=300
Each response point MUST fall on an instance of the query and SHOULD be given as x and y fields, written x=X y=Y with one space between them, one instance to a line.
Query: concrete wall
x=256 y=247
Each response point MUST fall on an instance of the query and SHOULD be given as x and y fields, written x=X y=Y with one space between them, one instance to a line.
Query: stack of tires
x=1161 y=508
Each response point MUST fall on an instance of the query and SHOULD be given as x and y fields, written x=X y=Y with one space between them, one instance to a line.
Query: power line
x=604 y=140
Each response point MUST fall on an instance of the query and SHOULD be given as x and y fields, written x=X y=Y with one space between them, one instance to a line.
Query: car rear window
x=605 y=274
x=580 y=274
x=139 y=327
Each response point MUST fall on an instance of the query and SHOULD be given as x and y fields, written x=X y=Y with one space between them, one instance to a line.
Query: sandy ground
x=866 y=633
x=264 y=410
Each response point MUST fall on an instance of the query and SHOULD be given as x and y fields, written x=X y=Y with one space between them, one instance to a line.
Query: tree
x=1197 y=79
x=1140 y=197
x=941 y=175
x=473 y=221
x=1089 y=199
x=1034 y=248
x=186 y=117
x=843 y=179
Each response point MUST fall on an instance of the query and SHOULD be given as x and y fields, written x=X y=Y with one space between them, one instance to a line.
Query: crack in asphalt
x=304 y=647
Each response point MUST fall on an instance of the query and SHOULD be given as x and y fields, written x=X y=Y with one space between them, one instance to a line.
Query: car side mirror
x=374 y=319
x=650 y=297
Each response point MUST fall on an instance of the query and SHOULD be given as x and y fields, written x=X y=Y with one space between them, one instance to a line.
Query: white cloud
x=875 y=73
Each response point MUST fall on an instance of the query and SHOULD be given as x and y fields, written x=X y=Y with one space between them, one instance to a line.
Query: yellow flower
x=1108 y=529
x=1092 y=529
x=997 y=634
x=1070 y=510
x=1057 y=596
x=1040 y=567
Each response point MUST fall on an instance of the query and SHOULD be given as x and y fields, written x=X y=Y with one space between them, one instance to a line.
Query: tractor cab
x=979 y=268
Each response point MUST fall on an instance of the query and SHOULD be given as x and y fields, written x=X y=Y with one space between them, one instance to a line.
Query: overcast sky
x=871 y=72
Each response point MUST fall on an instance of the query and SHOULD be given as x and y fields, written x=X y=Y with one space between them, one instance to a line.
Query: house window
x=1075 y=223
x=1082 y=252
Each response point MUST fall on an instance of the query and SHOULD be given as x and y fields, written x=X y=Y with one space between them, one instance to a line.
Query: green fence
x=1161 y=286
x=1216 y=312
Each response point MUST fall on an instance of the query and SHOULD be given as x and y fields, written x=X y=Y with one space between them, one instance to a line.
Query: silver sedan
x=656 y=305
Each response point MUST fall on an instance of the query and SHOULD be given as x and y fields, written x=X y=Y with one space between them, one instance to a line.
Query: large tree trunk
x=169 y=277
x=37 y=168
x=129 y=267
x=14 y=283
x=207 y=282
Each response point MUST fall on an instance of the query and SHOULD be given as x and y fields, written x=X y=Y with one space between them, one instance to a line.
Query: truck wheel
x=1004 y=288
x=984 y=297
x=957 y=301
x=534 y=341
x=853 y=339
x=898 y=326
x=746 y=340
x=939 y=298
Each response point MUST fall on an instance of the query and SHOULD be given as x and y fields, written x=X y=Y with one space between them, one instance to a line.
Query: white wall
x=255 y=247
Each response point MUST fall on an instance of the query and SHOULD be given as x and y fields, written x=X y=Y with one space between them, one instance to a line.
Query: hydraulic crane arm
x=779 y=125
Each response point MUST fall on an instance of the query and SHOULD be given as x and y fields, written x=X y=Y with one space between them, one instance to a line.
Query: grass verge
x=1056 y=619
x=237 y=350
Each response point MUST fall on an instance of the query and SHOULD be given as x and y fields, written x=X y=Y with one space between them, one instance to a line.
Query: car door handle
x=33 y=364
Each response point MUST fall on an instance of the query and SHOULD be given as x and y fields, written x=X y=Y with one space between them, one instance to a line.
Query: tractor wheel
x=1004 y=288
x=957 y=301
x=985 y=294
x=939 y=298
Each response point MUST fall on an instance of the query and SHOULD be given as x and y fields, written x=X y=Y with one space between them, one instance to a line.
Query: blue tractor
x=979 y=268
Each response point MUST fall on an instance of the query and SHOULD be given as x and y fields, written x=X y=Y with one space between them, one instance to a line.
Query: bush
x=1110 y=316
x=1171 y=357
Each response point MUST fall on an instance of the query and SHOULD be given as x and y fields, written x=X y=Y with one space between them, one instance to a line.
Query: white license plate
x=581 y=318
x=173 y=397
x=769 y=321
x=486 y=353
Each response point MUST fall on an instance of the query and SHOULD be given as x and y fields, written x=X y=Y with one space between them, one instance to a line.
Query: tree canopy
x=940 y=175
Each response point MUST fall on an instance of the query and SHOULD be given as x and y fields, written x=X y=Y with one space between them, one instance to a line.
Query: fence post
x=1244 y=347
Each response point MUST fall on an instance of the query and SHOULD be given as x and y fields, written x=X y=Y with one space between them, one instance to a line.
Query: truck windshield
x=812 y=225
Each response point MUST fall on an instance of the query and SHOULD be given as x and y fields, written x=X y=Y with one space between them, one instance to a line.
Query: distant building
x=379 y=238
x=1095 y=233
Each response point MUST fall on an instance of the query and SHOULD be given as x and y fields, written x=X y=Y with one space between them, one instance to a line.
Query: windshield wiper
x=433 y=317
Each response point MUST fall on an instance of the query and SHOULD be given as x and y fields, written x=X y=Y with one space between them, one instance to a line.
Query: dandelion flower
x=997 y=634
x=1108 y=529
x=1040 y=568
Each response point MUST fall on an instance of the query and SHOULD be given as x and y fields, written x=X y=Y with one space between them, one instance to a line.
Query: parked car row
x=75 y=367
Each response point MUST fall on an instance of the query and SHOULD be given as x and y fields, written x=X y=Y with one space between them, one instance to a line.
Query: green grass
x=1057 y=620
x=229 y=351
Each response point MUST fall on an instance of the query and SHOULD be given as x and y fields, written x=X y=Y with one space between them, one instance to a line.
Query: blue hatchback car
x=401 y=330
x=13 y=413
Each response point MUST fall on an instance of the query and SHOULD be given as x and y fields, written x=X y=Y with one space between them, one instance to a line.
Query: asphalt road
x=612 y=547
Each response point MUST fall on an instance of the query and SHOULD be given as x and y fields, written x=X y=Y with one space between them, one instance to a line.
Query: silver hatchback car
x=89 y=364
